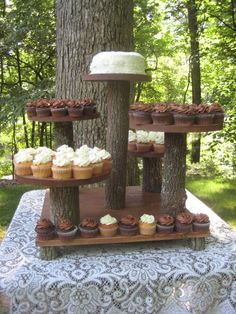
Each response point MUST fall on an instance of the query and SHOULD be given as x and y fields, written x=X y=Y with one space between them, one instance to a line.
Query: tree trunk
x=152 y=175
x=117 y=142
x=173 y=195
x=133 y=172
x=195 y=71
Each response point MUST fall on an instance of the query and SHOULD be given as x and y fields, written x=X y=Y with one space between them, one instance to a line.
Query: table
x=142 y=278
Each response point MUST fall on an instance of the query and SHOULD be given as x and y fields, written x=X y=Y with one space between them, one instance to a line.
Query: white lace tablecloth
x=142 y=278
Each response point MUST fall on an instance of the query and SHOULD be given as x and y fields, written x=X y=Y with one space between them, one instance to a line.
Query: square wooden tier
x=137 y=203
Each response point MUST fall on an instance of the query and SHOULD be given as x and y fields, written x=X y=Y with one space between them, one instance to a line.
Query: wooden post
x=173 y=194
x=117 y=141
x=152 y=175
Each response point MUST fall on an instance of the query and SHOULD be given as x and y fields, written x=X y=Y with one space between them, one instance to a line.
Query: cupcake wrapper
x=23 y=169
x=165 y=229
x=67 y=235
x=108 y=232
x=86 y=233
x=179 y=227
x=147 y=230
x=97 y=169
x=201 y=226
x=61 y=174
x=82 y=173
x=41 y=171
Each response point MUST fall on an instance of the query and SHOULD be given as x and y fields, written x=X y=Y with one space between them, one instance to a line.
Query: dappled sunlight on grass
x=218 y=194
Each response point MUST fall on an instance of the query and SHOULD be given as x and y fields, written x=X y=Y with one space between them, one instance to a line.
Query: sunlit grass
x=218 y=194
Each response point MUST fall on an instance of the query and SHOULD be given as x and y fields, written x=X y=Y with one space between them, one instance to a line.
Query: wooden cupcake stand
x=119 y=199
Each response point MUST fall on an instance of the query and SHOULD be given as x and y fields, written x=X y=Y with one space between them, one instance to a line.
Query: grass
x=9 y=198
x=218 y=194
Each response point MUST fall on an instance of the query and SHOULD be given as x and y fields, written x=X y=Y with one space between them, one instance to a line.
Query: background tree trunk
x=152 y=175
x=173 y=194
x=195 y=72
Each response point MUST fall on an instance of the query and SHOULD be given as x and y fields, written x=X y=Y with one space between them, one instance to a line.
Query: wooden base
x=137 y=203
x=176 y=128
x=117 y=77
x=66 y=118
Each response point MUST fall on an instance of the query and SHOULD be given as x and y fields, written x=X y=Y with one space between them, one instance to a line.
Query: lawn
x=218 y=194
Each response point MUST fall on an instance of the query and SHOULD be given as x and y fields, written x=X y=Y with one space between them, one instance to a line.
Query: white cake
x=117 y=62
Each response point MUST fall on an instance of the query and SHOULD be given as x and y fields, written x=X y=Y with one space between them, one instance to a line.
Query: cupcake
x=89 y=106
x=82 y=168
x=67 y=151
x=45 y=229
x=143 y=144
x=183 y=222
x=45 y=150
x=22 y=163
x=203 y=116
x=128 y=226
x=88 y=228
x=159 y=146
x=161 y=114
x=61 y=168
x=165 y=224
x=147 y=225
x=183 y=114
x=108 y=226
x=58 y=108
x=42 y=164
x=132 y=141
x=75 y=108
x=31 y=109
x=106 y=160
x=201 y=222
x=142 y=113
x=43 y=108
x=66 y=230
x=96 y=162
x=218 y=113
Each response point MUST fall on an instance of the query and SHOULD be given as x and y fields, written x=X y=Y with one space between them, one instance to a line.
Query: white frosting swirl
x=108 y=220
x=45 y=150
x=94 y=157
x=132 y=136
x=104 y=154
x=142 y=137
x=42 y=158
x=65 y=148
x=82 y=150
x=23 y=156
x=152 y=136
x=61 y=160
x=82 y=161
x=30 y=150
x=160 y=138
x=148 y=219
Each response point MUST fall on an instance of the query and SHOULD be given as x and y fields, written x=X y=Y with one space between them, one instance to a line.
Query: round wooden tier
x=117 y=77
x=176 y=128
x=66 y=118
x=145 y=155
x=50 y=182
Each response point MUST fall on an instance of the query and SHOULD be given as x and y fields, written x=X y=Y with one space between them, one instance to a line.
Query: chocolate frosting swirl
x=161 y=107
x=184 y=217
x=165 y=220
x=129 y=220
x=200 y=108
x=215 y=107
x=186 y=109
x=201 y=218
x=141 y=106
x=44 y=224
x=89 y=223
x=64 y=224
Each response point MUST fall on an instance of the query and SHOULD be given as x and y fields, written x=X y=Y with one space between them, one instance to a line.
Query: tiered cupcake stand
x=119 y=199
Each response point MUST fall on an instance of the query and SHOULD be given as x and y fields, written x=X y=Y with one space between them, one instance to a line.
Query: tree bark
x=195 y=71
x=173 y=194
x=117 y=142
x=152 y=175
x=133 y=172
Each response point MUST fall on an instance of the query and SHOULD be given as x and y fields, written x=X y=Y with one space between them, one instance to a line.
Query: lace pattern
x=153 y=277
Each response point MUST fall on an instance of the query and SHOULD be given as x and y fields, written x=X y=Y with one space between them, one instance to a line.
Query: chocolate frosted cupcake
x=161 y=114
x=66 y=230
x=58 y=108
x=218 y=112
x=203 y=116
x=201 y=222
x=165 y=224
x=142 y=113
x=75 y=108
x=183 y=222
x=43 y=108
x=128 y=225
x=88 y=228
x=45 y=229
x=183 y=114
x=31 y=109
x=89 y=106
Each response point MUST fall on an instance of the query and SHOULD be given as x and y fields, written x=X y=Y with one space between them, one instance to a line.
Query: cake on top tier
x=118 y=62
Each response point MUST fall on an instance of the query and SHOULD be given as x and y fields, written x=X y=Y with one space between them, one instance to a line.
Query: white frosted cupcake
x=82 y=168
x=42 y=164
x=132 y=141
x=108 y=226
x=61 y=168
x=159 y=146
x=23 y=163
x=143 y=144
x=106 y=160
x=147 y=225
x=96 y=162
x=45 y=150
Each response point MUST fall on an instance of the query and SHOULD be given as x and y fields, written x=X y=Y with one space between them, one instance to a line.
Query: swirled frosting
x=42 y=158
x=132 y=136
x=65 y=148
x=61 y=160
x=108 y=220
x=44 y=149
x=129 y=220
x=215 y=107
x=201 y=218
x=89 y=223
x=82 y=161
x=104 y=154
x=184 y=217
x=44 y=224
x=23 y=156
x=30 y=150
x=148 y=219
x=165 y=220
x=162 y=107
x=186 y=109
x=142 y=137
x=94 y=157
x=83 y=150
x=64 y=224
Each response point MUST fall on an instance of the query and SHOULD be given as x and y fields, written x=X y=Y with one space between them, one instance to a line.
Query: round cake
x=118 y=62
